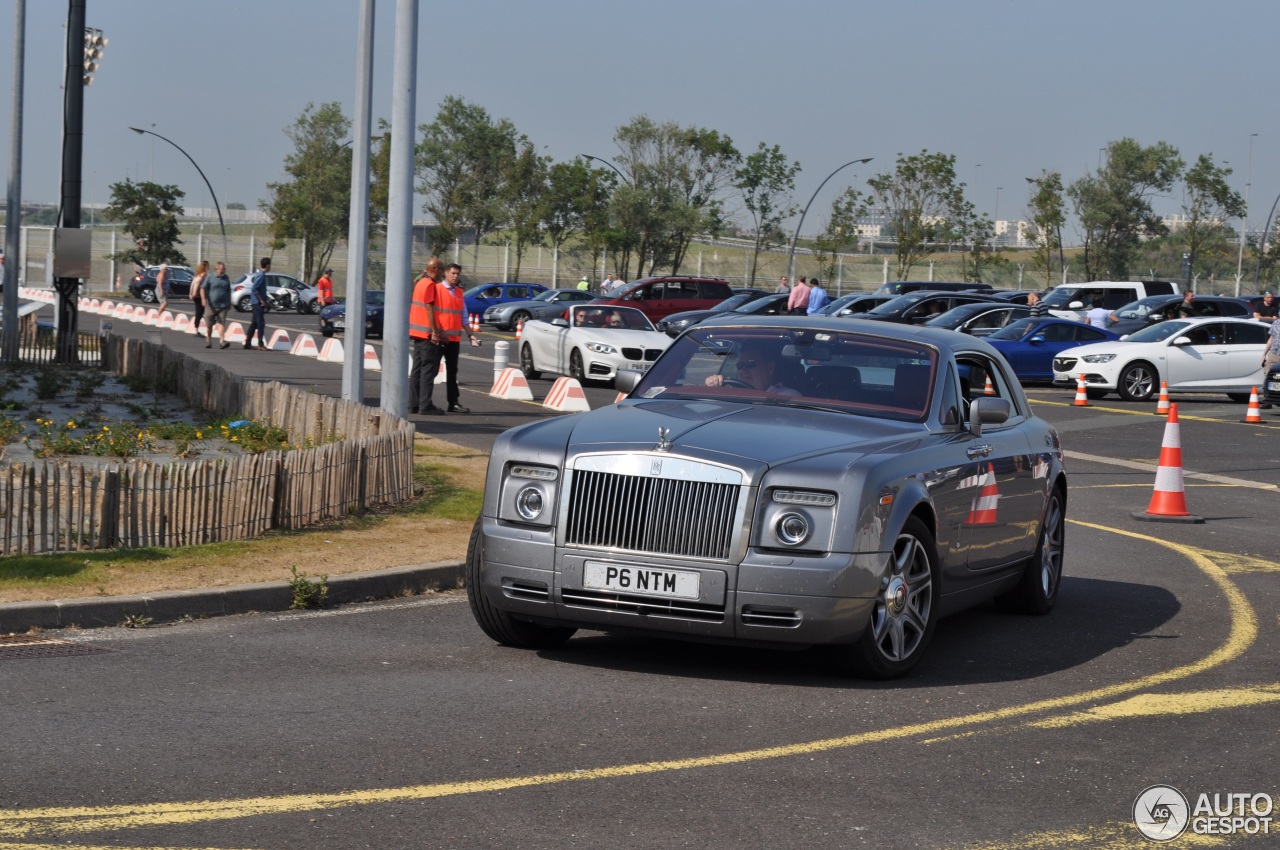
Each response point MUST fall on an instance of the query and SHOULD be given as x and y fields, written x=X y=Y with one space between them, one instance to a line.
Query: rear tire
x=905 y=613
x=496 y=623
x=313 y=306
x=148 y=296
x=241 y=305
x=1037 y=591
x=526 y=364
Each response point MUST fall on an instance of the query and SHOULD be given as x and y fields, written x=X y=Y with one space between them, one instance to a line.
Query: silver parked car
x=798 y=481
x=547 y=305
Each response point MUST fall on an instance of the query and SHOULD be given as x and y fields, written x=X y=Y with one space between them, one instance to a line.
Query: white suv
x=1061 y=300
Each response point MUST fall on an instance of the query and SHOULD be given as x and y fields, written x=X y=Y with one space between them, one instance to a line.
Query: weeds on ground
x=307 y=593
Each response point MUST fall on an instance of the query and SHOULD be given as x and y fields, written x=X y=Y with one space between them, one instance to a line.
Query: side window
x=684 y=291
x=1085 y=333
x=977 y=369
x=954 y=411
x=1114 y=299
x=993 y=319
x=1253 y=333
x=1211 y=334
x=517 y=292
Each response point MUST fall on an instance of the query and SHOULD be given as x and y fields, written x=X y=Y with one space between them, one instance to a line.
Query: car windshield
x=1015 y=330
x=614 y=318
x=549 y=295
x=375 y=298
x=735 y=302
x=754 y=304
x=901 y=303
x=955 y=315
x=832 y=370
x=1062 y=296
x=1158 y=333
x=1140 y=308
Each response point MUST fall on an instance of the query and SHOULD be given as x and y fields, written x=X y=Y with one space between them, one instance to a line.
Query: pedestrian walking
x=217 y=299
x=1038 y=307
x=197 y=291
x=258 y=299
x=798 y=301
x=324 y=289
x=162 y=286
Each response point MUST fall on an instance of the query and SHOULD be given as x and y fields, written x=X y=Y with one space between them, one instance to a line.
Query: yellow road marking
x=1113 y=836
x=1147 y=705
x=1149 y=414
x=26 y=823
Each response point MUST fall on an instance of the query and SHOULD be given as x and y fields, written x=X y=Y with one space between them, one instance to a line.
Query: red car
x=659 y=297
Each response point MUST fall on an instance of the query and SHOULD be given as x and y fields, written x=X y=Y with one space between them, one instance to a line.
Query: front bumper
x=1271 y=387
x=765 y=599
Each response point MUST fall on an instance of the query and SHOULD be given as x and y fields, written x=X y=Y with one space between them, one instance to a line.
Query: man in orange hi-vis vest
x=441 y=305
x=422 y=323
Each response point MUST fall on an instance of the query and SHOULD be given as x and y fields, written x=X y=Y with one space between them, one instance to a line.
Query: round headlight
x=529 y=503
x=792 y=529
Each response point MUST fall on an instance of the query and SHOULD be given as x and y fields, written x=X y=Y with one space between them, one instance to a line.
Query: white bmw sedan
x=1211 y=355
x=591 y=342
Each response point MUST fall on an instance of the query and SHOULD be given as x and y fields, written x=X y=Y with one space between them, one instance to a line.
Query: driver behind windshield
x=757 y=368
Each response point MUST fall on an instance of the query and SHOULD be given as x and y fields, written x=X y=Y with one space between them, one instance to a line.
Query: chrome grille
x=644 y=605
x=640 y=513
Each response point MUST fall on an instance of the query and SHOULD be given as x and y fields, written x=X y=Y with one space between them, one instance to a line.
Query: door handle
x=977 y=451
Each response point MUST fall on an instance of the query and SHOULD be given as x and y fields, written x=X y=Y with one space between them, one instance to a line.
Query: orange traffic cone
x=1082 y=397
x=519 y=328
x=990 y=390
x=983 y=510
x=1162 y=406
x=1254 y=414
x=1169 y=500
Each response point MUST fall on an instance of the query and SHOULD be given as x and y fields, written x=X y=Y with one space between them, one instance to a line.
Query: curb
x=171 y=606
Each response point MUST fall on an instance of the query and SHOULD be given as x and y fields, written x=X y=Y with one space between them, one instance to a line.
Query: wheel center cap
x=895 y=596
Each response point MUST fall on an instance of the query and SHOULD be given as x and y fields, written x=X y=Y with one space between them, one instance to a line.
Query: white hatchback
x=1213 y=355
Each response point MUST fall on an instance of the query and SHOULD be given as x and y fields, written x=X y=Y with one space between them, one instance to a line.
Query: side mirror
x=627 y=380
x=988 y=410
x=1123 y=337
x=1182 y=340
x=560 y=323
x=1076 y=305
x=1036 y=340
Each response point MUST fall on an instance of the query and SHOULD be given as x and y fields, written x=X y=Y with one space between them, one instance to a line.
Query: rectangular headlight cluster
x=804 y=497
x=537 y=473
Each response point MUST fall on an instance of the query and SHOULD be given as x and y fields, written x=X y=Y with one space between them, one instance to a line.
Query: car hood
x=691 y=315
x=508 y=306
x=735 y=432
x=1112 y=347
x=621 y=337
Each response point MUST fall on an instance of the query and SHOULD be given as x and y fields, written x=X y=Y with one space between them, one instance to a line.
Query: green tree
x=840 y=233
x=1207 y=204
x=524 y=193
x=460 y=164
x=766 y=181
x=676 y=178
x=149 y=213
x=1114 y=204
x=919 y=198
x=380 y=178
x=577 y=203
x=315 y=204
x=1048 y=213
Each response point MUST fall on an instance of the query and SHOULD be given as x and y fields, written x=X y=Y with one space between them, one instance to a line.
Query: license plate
x=639 y=367
x=338 y=323
x=1274 y=386
x=621 y=578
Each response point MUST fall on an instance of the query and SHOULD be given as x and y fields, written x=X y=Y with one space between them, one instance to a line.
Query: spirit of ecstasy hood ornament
x=664 y=445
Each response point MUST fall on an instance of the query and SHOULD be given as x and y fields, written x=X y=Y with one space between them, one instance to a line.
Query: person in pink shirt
x=798 y=302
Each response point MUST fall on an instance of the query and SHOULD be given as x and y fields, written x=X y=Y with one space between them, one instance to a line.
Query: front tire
x=906 y=609
x=1138 y=382
x=496 y=623
x=521 y=316
x=526 y=364
x=576 y=370
x=1037 y=591
x=1094 y=395
x=1239 y=398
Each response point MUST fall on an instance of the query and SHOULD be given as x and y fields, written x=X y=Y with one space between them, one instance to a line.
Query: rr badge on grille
x=655 y=468
x=664 y=445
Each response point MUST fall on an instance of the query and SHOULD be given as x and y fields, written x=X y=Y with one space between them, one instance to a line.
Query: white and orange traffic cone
x=989 y=390
x=1082 y=395
x=1162 y=406
x=1254 y=414
x=475 y=323
x=983 y=509
x=519 y=328
x=1169 y=500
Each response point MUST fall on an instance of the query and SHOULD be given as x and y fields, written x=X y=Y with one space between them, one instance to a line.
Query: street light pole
x=1244 y=222
x=791 y=252
x=212 y=194
x=624 y=177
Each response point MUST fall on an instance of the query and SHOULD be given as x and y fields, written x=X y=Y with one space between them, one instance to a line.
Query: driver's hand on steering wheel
x=714 y=380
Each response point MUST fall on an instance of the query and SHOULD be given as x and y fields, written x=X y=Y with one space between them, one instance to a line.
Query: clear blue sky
x=1007 y=87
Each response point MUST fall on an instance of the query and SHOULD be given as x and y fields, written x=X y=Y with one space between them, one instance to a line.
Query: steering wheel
x=734 y=382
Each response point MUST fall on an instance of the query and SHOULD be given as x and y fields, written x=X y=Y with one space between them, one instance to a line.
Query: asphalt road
x=399 y=724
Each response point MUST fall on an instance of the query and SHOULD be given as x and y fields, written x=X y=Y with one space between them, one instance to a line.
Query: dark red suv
x=658 y=297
